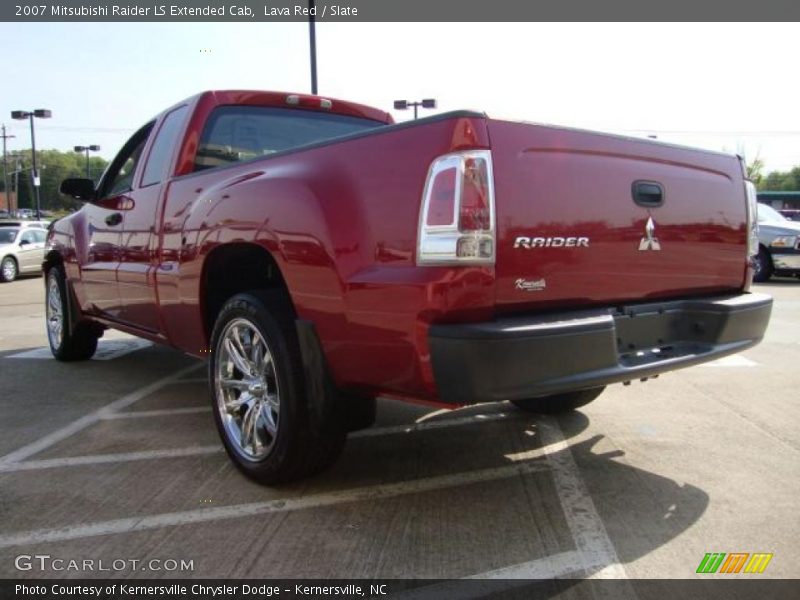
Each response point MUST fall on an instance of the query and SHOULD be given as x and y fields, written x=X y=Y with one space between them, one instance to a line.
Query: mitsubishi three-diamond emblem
x=649 y=241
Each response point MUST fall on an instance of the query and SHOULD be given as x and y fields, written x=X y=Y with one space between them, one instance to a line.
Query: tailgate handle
x=647 y=193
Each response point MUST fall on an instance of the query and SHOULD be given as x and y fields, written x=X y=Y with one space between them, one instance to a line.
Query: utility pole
x=5 y=169
x=17 y=169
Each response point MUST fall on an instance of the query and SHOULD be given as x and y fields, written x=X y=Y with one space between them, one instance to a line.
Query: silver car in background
x=779 y=245
x=21 y=250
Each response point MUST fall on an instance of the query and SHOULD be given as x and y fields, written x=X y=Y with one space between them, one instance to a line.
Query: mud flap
x=328 y=407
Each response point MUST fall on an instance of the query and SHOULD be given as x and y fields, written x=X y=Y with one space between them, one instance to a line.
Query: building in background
x=787 y=203
x=4 y=205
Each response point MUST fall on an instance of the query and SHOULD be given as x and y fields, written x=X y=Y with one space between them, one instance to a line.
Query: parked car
x=320 y=256
x=23 y=223
x=21 y=251
x=779 y=245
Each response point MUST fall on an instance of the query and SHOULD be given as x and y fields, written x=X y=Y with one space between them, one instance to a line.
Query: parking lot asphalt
x=118 y=460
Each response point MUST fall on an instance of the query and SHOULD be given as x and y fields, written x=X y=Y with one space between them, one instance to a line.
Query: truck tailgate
x=570 y=232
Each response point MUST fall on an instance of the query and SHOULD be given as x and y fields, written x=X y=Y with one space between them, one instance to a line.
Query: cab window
x=161 y=152
x=238 y=133
x=119 y=177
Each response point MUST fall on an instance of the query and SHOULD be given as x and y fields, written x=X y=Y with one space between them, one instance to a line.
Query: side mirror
x=79 y=188
x=24 y=243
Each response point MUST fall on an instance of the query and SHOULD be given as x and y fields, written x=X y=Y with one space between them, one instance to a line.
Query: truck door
x=138 y=264
x=31 y=250
x=104 y=220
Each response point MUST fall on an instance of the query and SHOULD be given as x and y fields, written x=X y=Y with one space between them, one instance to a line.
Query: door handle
x=647 y=193
x=114 y=219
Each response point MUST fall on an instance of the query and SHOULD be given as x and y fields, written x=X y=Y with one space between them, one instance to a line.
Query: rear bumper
x=522 y=357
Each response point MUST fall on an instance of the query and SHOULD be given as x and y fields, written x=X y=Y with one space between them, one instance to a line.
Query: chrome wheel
x=246 y=390
x=9 y=269
x=55 y=312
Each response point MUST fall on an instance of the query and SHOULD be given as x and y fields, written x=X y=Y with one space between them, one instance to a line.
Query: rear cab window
x=239 y=133
x=163 y=145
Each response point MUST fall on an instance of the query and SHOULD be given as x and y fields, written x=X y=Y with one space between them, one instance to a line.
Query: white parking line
x=548 y=567
x=104 y=459
x=588 y=531
x=162 y=412
x=205 y=515
x=87 y=420
x=100 y=459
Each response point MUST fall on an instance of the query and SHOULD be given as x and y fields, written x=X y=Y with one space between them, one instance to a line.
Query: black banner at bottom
x=433 y=589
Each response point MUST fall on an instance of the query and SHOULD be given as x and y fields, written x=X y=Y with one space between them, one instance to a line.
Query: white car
x=21 y=250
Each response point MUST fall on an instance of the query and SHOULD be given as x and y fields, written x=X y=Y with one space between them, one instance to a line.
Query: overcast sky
x=720 y=86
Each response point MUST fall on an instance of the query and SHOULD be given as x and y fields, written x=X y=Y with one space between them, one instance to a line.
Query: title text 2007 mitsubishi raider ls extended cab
x=320 y=255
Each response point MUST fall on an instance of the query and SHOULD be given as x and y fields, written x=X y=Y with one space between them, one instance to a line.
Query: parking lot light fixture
x=87 y=149
x=404 y=104
x=39 y=113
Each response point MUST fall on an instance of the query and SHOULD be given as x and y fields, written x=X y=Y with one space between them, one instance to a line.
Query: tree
x=781 y=181
x=755 y=170
x=54 y=166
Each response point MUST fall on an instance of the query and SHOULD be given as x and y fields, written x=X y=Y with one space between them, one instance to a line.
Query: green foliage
x=755 y=170
x=54 y=166
x=780 y=181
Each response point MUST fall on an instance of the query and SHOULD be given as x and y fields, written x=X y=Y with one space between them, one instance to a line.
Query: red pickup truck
x=319 y=255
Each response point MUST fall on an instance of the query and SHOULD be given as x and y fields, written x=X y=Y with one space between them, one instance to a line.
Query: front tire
x=762 y=266
x=258 y=394
x=8 y=269
x=66 y=343
x=558 y=403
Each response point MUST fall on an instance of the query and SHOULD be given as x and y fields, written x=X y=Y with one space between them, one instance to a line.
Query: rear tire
x=8 y=269
x=762 y=265
x=66 y=343
x=258 y=393
x=558 y=403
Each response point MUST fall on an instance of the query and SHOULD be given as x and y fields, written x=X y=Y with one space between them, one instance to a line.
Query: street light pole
x=35 y=172
x=40 y=113
x=312 y=39
x=86 y=149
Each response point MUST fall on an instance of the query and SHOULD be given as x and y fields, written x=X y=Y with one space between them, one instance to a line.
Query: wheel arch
x=54 y=259
x=233 y=268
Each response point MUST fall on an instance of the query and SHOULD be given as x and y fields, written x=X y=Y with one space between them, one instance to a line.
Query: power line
x=85 y=129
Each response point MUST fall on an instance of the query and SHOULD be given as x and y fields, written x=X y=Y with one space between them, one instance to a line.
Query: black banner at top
x=398 y=10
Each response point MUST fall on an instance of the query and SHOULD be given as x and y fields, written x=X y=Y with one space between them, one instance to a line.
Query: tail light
x=457 y=218
x=752 y=218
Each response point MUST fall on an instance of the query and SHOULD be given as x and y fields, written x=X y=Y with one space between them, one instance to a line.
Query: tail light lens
x=457 y=218
x=752 y=218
